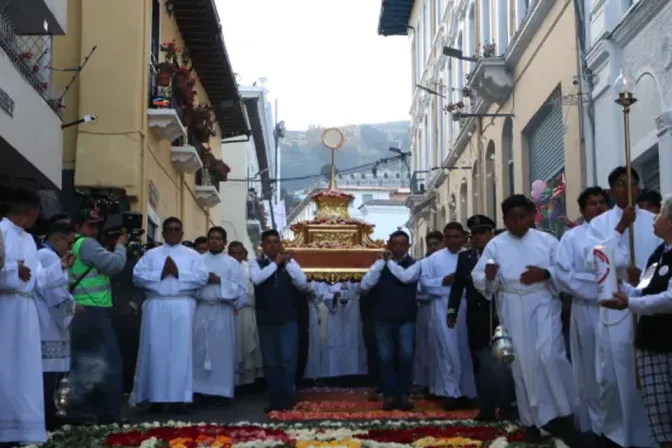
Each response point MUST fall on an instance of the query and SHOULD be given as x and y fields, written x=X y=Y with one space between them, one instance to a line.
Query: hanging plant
x=222 y=170
x=201 y=116
x=170 y=50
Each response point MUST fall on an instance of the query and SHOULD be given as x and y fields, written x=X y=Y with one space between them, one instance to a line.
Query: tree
x=325 y=171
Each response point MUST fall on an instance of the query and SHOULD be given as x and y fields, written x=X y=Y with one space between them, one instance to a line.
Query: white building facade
x=31 y=142
x=633 y=38
x=384 y=207
x=247 y=197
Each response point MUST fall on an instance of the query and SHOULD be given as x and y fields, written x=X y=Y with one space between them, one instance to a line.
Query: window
x=154 y=47
x=367 y=198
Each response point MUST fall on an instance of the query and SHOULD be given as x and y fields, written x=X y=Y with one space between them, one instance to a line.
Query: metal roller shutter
x=545 y=141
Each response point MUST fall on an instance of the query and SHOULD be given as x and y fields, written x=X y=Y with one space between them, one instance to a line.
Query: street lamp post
x=624 y=86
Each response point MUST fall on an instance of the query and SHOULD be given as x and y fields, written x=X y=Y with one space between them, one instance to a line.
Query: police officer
x=493 y=380
x=96 y=361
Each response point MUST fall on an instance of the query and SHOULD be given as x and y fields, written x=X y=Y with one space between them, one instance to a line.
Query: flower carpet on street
x=334 y=418
x=360 y=434
x=354 y=404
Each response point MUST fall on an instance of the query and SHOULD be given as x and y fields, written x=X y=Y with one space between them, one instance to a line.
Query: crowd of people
x=208 y=320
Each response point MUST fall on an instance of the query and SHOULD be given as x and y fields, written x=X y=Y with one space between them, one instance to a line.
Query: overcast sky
x=324 y=60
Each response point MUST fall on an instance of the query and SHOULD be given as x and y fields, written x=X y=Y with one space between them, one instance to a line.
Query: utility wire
x=350 y=170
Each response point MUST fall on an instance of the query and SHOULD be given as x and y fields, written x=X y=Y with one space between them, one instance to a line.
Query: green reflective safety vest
x=94 y=289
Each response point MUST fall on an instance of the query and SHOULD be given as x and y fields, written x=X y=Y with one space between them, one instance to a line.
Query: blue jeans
x=279 y=349
x=396 y=342
x=96 y=372
x=494 y=381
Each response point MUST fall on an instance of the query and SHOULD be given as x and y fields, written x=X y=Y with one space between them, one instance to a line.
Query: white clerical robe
x=313 y=364
x=165 y=371
x=343 y=351
x=623 y=414
x=422 y=357
x=531 y=314
x=21 y=391
x=576 y=277
x=215 y=350
x=55 y=310
x=250 y=365
x=451 y=373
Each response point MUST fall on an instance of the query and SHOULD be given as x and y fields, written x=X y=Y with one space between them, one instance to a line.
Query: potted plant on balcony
x=166 y=68
x=184 y=84
x=200 y=118
x=222 y=170
x=454 y=107
x=489 y=50
x=207 y=157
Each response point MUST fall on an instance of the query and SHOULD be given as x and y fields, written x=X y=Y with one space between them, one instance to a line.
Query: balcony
x=37 y=17
x=164 y=113
x=186 y=159
x=491 y=80
x=256 y=218
x=30 y=122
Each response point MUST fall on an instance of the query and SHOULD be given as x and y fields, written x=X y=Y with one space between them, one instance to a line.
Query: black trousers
x=127 y=330
x=303 y=323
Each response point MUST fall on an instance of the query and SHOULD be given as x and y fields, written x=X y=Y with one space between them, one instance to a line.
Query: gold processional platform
x=333 y=247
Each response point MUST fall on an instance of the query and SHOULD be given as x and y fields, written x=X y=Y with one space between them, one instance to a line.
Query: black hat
x=480 y=223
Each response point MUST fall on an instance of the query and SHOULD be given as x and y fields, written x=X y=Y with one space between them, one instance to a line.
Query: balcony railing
x=31 y=55
x=419 y=182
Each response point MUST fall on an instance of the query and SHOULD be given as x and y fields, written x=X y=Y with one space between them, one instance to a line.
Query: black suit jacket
x=478 y=307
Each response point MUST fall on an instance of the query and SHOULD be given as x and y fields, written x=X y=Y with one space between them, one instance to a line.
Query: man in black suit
x=494 y=382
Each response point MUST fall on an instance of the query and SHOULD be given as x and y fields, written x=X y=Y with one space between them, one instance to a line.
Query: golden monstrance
x=333 y=247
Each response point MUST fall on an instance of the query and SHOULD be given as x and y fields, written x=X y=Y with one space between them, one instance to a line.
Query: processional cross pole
x=333 y=139
x=626 y=99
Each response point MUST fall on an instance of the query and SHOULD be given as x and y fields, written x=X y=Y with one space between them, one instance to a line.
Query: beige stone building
x=495 y=107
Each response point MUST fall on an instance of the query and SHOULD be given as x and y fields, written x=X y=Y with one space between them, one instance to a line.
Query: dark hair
x=397 y=233
x=499 y=231
x=269 y=232
x=618 y=172
x=218 y=229
x=200 y=240
x=59 y=217
x=233 y=244
x=515 y=201
x=171 y=220
x=591 y=191
x=60 y=228
x=434 y=235
x=650 y=196
x=454 y=225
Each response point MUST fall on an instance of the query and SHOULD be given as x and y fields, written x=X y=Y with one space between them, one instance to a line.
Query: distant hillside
x=302 y=153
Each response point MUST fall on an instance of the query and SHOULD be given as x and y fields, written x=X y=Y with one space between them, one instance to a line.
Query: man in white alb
x=21 y=391
x=171 y=276
x=55 y=310
x=517 y=266
x=623 y=414
x=215 y=346
x=452 y=372
x=575 y=277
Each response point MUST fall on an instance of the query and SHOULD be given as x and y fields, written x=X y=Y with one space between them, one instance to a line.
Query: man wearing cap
x=92 y=333
x=493 y=379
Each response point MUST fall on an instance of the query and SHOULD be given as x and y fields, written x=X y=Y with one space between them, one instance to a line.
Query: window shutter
x=546 y=142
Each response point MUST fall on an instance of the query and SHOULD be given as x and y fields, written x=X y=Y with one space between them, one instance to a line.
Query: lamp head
x=624 y=84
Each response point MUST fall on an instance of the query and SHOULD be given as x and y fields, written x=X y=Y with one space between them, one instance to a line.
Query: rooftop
x=394 y=17
x=201 y=30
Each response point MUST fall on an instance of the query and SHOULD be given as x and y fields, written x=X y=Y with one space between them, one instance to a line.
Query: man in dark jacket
x=493 y=380
x=392 y=284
